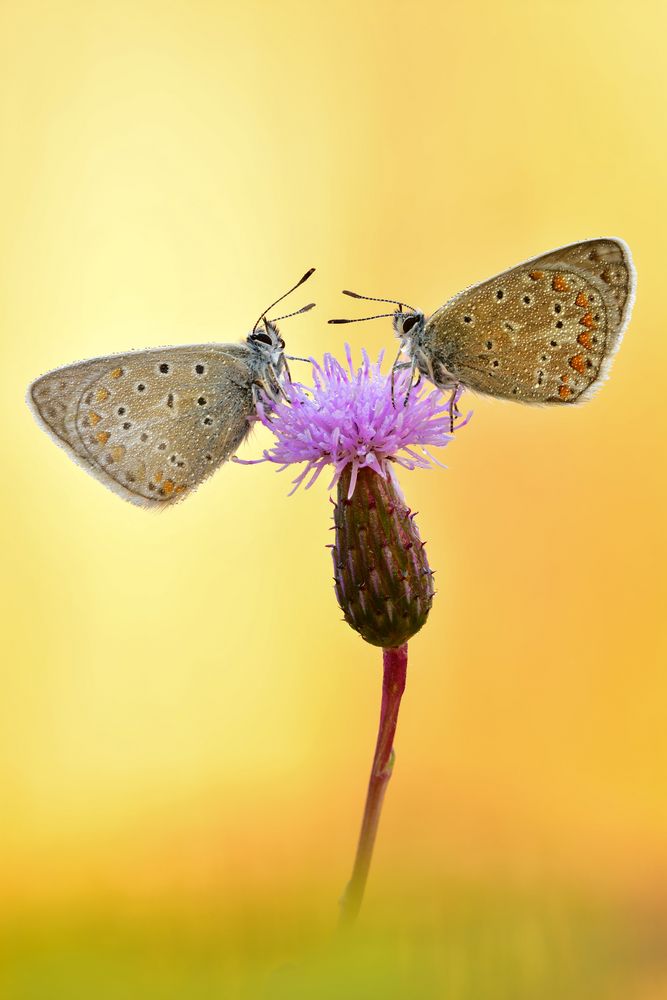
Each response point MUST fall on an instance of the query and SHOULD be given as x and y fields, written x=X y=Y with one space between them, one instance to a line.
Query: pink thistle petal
x=349 y=418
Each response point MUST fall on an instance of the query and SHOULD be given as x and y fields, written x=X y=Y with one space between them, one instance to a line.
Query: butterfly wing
x=606 y=259
x=542 y=332
x=151 y=425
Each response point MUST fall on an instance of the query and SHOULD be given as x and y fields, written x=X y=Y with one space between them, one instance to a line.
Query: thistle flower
x=364 y=424
x=356 y=417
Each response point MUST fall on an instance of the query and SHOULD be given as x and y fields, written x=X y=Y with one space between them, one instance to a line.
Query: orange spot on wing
x=559 y=284
x=536 y=275
x=102 y=436
x=168 y=486
x=578 y=363
x=588 y=321
x=581 y=300
x=116 y=373
x=585 y=340
x=158 y=477
x=565 y=378
x=94 y=418
x=564 y=392
x=101 y=395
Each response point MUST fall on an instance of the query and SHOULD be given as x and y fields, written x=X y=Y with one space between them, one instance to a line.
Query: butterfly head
x=409 y=327
x=408 y=322
x=268 y=358
x=268 y=346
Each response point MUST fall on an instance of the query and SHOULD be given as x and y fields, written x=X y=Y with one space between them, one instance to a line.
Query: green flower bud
x=383 y=581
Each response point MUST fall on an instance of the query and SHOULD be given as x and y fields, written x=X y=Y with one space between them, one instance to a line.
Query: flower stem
x=395 y=663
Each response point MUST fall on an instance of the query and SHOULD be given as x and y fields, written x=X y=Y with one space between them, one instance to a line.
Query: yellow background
x=185 y=723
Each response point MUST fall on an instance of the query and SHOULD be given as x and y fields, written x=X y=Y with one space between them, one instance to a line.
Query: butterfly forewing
x=152 y=425
x=542 y=332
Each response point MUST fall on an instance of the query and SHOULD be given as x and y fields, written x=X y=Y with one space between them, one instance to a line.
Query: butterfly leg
x=394 y=368
x=263 y=390
x=281 y=391
x=257 y=392
x=412 y=384
x=275 y=384
x=397 y=368
x=453 y=408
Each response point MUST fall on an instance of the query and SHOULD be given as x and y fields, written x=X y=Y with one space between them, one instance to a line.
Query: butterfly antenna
x=297 y=312
x=374 y=298
x=361 y=319
x=289 y=292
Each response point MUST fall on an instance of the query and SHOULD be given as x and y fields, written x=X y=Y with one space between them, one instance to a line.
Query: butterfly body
x=543 y=332
x=152 y=425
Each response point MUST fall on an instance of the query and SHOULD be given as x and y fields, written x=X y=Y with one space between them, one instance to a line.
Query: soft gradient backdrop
x=185 y=723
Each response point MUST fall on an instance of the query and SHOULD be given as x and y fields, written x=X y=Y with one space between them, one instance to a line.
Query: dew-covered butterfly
x=152 y=425
x=542 y=332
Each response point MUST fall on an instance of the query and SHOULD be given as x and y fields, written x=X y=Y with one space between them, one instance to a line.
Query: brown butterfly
x=152 y=425
x=542 y=332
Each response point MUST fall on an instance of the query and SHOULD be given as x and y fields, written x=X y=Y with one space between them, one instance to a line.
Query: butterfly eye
x=409 y=323
x=263 y=337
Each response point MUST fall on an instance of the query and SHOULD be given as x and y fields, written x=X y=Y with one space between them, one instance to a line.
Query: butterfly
x=543 y=332
x=152 y=425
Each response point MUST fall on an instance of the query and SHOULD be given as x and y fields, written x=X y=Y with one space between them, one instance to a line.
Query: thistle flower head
x=356 y=417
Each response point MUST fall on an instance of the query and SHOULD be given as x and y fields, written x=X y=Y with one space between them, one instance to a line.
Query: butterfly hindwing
x=152 y=425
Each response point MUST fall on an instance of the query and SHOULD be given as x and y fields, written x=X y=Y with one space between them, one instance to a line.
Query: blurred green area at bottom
x=468 y=945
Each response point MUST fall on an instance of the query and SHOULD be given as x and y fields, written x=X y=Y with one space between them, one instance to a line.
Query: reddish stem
x=395 y=662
